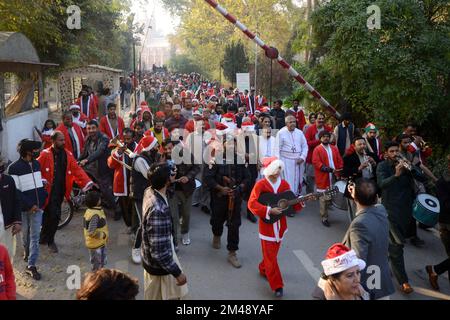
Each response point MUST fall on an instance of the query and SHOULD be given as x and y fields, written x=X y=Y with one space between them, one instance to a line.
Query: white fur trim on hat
x=151 y=145
x=273 y=168
x=343 y=262
x=74 y=106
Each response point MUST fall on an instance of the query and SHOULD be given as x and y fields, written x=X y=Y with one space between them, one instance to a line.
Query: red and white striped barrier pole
x=272 y=53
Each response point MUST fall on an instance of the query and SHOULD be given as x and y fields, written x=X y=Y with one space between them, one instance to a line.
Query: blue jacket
x=28 y=179
x=9 y=201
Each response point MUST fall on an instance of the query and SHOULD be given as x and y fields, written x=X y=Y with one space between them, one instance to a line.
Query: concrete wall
x=19 y=127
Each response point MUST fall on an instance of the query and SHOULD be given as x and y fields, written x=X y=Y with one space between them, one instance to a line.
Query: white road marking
x=308 y=264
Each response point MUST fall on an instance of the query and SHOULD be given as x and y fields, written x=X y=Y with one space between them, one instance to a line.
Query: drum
x=338 y=200
x=426 y=209
x=198 y=184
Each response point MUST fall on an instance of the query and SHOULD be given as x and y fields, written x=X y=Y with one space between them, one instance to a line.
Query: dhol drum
x=338 y=200
x=426 y=209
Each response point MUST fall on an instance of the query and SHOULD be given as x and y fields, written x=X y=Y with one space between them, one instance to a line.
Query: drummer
x=180 y=199
x=397 y=195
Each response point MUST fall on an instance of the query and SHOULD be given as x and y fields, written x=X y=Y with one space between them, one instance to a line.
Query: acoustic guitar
x=286 y=200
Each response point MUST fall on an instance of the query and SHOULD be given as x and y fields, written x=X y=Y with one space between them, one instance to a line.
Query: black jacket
x=443 y=194
x=100 y=155
x=279 y=116
x=10 y=201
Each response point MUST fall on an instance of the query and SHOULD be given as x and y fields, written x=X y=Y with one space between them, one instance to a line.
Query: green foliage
x=183 y=64
x=234 y=61
x=390 y=76
x=105 y=37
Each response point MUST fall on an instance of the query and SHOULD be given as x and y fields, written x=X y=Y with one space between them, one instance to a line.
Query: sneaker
x=233 y=259
x=32 y=272
x=136 y=255
x=406 y=288
x=216 y=242
x=278 y=293
x=186 y=241
x=416 y=241
x=326 y=223
x=53 y=248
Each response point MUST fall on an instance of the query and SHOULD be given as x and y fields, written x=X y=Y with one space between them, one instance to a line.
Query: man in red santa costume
x=78 y=117
x=111 y=124
x=88 y=104
x=260 y=100
x=270 y=234
x=328 y=165
x=73 y=134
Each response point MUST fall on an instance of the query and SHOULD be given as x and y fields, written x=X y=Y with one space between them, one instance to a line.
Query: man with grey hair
x=291 y=147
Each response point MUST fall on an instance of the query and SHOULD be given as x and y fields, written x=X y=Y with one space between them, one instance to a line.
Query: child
x=45 y=134
x=95 y=230
x=7 y=282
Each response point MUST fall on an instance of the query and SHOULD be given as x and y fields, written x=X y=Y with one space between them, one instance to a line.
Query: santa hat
x=160 y=115
x=138 y=109
x=272 y=165
x=74 y=107
x=195 y=101
x=370 y=126
x=229 y=117
x=248 y=126
x=340 y=258
x=146 y=144
x=197 y=111
x=143 y=103
x=265 y=109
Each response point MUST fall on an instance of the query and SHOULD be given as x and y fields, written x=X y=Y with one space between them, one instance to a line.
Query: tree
x=234 y=61
x=390 y=76
x=183 y=64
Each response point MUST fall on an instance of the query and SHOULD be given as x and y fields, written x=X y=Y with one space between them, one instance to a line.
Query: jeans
x=31 y=229
x=97 y=258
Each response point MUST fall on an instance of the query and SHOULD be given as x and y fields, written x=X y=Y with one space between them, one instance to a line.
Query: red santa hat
x=272 y=165
x=229 y=117
x=74 y=107
x=248 y=126
x=160 y=115
x=144 y=103
x=340 y=258
x=146 y=144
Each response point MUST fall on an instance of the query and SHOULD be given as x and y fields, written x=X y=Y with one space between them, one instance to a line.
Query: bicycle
x=68 y=207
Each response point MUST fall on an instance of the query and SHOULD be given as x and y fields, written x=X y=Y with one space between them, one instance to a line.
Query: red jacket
x=7 y=280
x=120 y=184
x=73 y=172
x=106 y=128
x=412 y=148
x=320 y=159
x=313 y=142
x=92 y=109
x=79 y=134
x=247 y=103
x=300 y=117
x=269 y=232
x=260 y=101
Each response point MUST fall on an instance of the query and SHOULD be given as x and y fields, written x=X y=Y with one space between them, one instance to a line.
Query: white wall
x=19 y=127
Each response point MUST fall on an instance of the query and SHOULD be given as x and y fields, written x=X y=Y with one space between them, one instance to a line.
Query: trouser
x=351 y=209
x=180 y=207
x=122 y=100
x=324 y=204
x=253 y=169
x=105 y=184
x=97 y=258
x=138 y=223
x=219 y=215
x=126 y=206
x=269 y=265
x=127 y=102
x=444 y=231
x=31 y=228
x=50 y=221
x=397 y=260
x=310 y=181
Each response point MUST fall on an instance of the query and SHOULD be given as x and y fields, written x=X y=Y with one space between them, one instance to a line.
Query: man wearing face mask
x=10 y=211
x=78 y=117
x=26 y=173
x=87 y=104
x=94 y=161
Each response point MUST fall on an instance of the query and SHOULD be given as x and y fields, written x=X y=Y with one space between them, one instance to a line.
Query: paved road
x=209 y=274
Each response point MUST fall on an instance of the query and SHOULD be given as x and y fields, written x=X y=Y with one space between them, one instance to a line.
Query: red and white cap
x=74 y=107
x=147 y=143
x=195 y=101
x=248 y=126
x=340 y=258
x=272 y=165
x=160 y=115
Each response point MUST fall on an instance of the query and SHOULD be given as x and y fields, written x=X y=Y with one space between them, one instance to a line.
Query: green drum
x=426 y=209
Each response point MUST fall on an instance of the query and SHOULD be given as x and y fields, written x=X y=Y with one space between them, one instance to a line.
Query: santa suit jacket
x=260 y=101
x=106 y=128
x=73 y=172
x=121 y=186
x=313 y=142
x=92 y=109
x=268 y=232
x=300 y=117
x=320 y=161
x=79 y=133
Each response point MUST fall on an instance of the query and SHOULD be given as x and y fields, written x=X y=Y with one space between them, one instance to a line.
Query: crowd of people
x=190 y=142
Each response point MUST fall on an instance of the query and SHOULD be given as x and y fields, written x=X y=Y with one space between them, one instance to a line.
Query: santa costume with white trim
x=270 y=234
